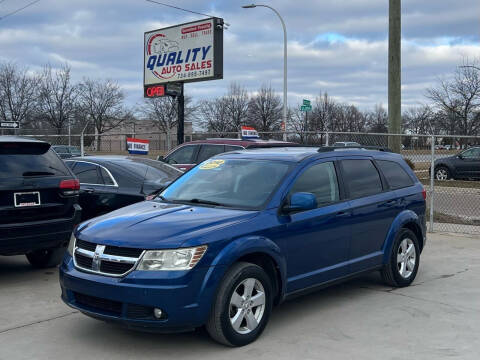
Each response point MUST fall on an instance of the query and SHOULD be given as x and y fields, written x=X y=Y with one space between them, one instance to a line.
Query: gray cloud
x=336 y=46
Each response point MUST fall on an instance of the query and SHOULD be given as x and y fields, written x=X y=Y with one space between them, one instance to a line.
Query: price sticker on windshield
x=212 y=164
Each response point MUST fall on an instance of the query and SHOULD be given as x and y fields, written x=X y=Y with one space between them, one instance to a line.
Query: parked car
x=38 y=201
x=345 y=143
x=187 y=155
x=66 y=152
x=108 y=183
x=465 y=165
x=243 y=231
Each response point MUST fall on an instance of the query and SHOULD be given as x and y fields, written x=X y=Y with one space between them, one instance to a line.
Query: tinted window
x=361 y=178
x=232 y=148
x=207 y=151
x=107 y=179
x=320 y=180
x=29 y=159
x=141 y=170
x=396 y=177
x=87 y=173
x=60 y=149
x=183 y=155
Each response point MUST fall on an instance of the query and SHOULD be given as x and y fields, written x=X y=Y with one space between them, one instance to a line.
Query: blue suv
x=243 y=231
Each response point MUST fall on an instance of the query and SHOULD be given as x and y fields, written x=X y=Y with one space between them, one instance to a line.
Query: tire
x=46 y=258
x=442 y=173
x=395 y=273
x=224 y=312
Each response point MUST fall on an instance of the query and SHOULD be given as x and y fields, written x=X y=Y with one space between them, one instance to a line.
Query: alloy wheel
x=247 y=306
x=406 y=258
x=441 y=174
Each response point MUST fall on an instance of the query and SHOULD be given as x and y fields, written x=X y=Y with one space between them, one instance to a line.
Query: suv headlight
x=71 y=245
x=178 y=259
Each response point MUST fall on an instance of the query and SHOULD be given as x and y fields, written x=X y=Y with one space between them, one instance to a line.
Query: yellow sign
x=212 y=164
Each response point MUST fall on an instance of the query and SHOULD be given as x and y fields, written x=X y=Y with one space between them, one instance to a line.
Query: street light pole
x=284 y=63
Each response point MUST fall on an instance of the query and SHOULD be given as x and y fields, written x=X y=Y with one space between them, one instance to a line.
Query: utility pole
x=394 y=75
x=181 y=117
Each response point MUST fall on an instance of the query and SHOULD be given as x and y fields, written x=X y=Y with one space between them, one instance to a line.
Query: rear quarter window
x=361 y=178
x=395 y=175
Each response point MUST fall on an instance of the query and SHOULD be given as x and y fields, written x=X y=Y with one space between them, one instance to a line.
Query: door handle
x=389 y=203
x=343 y=214
x=89 y=190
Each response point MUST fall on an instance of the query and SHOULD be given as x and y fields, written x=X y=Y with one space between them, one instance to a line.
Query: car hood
x=155 y=225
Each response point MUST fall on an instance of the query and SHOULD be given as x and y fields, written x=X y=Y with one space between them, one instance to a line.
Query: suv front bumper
x=185 y=297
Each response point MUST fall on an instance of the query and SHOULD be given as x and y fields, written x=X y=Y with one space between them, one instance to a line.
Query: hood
x=155 y=225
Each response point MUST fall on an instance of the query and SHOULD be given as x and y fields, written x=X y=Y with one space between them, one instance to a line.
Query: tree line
x=49 y=100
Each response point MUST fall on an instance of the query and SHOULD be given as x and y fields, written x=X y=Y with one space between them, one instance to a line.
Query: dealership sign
x=137 y=146
x=183 y=53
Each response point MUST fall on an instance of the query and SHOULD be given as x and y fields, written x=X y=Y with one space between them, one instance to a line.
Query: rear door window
x=361 y=178
x=396 y=176
x=207 y=151
x=29 y=159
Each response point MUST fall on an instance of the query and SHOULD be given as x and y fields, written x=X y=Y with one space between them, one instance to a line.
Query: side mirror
x=460 y=156
x=301 y=201
x=160 y=158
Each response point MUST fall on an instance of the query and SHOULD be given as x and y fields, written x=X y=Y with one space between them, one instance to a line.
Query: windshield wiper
x=202 y=201
x=37 y=173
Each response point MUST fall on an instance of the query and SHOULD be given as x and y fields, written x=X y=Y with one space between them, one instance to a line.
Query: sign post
x=179 y=54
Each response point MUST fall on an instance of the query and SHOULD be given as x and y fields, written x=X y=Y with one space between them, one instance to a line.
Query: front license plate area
x=26 y=199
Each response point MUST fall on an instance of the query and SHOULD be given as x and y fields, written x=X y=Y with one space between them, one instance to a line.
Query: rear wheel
x=242 y=307
x=404 y=260
x=46 y=258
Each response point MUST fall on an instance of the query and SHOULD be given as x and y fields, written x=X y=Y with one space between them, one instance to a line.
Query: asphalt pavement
x=438 y=317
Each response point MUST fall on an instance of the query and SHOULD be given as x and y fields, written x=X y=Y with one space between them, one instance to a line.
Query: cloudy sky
x=338 y=46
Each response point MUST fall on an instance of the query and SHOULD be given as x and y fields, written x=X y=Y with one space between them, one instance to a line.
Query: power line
x=18 y=10
x=179 y=8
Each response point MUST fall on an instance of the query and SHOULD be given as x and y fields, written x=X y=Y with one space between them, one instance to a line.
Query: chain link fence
x=453 y=201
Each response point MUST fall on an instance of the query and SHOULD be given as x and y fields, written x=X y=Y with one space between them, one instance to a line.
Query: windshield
x=237 y=183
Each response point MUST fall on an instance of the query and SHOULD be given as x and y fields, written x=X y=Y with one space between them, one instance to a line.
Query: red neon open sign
x=155 y=91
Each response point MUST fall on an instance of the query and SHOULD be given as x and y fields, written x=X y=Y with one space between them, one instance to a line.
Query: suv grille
x=105 y=259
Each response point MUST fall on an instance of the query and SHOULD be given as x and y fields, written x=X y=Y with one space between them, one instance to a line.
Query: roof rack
x=333 y=148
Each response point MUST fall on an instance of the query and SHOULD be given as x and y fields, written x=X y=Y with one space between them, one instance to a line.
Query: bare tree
x=56 y=99
x=298 y=123
x=377 y=120
x=17 y=93
x=322 y=113
x=459 y=99
x=236 y=102
x=163 y=111
x=265 y=110
x=102 y=102
x=213 y=116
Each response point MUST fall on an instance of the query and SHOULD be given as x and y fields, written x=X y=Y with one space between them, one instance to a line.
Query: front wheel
x=46 y=258
x=242 y=306
x=442 y=173
x=404 y=260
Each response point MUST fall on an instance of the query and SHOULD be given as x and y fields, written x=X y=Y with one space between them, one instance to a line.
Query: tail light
x=424 y=194
x=70 y=187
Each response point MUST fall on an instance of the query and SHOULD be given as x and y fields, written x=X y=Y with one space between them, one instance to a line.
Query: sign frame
x=10 y=125
x=217 y=31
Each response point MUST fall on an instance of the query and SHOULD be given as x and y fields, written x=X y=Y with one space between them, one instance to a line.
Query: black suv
x=38 y=201
x=465 y=165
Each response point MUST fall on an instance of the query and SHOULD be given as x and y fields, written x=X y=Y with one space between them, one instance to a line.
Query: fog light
x=157 y=313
